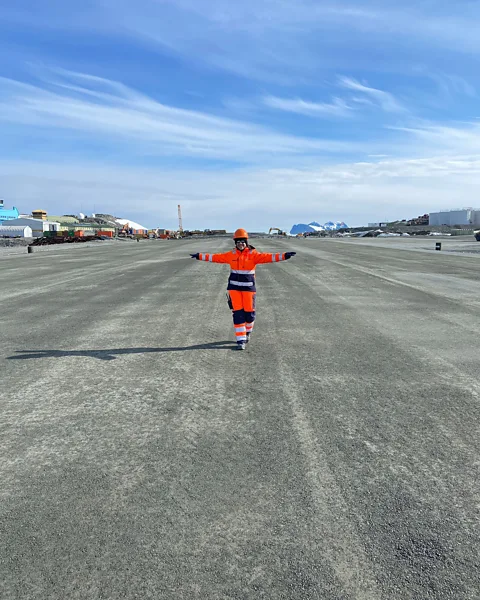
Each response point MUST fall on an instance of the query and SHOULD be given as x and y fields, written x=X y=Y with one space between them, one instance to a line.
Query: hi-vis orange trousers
x=243 y=308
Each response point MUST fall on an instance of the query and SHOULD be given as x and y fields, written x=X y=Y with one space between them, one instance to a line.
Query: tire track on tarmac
x=447 y=500
x=374 y=273
x=40 y=401
x=335 y=535
x=91 y=271
x=444 y=370
x=91 y=450
x=448 y=372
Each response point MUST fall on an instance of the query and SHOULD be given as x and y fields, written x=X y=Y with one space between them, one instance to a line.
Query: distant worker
x=241 y=290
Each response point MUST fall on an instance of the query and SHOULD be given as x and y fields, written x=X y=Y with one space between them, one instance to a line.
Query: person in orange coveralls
x=241 y=289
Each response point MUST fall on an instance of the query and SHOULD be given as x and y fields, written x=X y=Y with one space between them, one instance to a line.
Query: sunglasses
x=240 y=241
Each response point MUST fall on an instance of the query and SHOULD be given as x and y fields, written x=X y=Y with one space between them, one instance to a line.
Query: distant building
x=7 y=214
x=38 y=226
x=39 y=213
x=463 y=216
x=15 y=231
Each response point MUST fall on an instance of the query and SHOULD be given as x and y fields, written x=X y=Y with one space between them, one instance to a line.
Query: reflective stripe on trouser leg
x=243 y=304
x=249 y=308
x=239 y=325
x=240 y=333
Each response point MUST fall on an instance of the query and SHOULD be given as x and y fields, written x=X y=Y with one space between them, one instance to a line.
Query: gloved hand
x=289 y=255
x=197 y=255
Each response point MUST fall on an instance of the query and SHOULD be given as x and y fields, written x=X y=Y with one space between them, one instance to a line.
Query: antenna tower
x=180 y=225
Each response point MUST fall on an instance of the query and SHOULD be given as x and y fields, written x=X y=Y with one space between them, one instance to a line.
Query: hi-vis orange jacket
x=242 y=265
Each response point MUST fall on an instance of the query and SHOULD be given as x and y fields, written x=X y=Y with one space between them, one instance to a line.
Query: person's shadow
x=114 y=352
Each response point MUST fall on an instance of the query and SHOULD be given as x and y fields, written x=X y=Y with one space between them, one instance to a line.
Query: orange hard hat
x=239 y=234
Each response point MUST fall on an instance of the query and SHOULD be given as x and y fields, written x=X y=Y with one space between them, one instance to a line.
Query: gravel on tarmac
x=336 y=458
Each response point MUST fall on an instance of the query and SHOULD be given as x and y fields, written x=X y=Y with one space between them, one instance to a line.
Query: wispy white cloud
x=108 y=109
x=385 y=100
x=273 y=41
x=464 y=138
x=451 y=85
x=337 y=108
x=270 y=40
x=108 y=112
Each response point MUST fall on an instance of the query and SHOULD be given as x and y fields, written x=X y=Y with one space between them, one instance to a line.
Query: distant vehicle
x=477 y=235
x=280 y=232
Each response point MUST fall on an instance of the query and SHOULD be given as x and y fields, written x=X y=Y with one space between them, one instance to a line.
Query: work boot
x=240 y=345
x=248 y=338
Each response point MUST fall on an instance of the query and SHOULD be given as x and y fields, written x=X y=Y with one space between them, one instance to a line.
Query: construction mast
x=180 y=225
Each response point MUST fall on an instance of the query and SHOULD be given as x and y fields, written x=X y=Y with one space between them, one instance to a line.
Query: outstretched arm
x=216 y=258
x=266 y=257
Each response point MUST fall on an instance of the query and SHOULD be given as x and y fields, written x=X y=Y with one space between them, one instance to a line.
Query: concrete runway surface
x=338 y=457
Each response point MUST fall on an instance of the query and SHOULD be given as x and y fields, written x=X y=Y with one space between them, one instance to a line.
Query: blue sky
x=251 y=114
